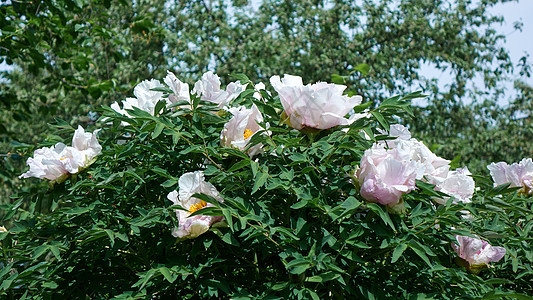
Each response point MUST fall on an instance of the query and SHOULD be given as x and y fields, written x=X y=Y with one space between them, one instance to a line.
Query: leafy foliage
x=296 y=225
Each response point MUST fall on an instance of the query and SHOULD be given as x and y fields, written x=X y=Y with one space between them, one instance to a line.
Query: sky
x=517 y=42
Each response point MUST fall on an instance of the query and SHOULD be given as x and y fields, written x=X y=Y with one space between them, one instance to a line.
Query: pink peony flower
x=384 y=177
x=476 y=252
x=189 y=184
x=318 y=106
x=518 y=174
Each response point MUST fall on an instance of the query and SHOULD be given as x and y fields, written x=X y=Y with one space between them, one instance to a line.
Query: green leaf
x=239 y=165
x=298 y=265
x=382 y=214
x=398 y=251
x=207 y=211
x=157 y=130
x=363 y=68
x=78 y=210
x=381 y=120
x=259 y=181
x=327 y=276
x=166 y=273
x=420 y=253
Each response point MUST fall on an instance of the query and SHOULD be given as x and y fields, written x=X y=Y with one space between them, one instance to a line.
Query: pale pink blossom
x=459 y=185
x=208 y=88
x=430 y=167
x=384 y=177
x=476 y=252
x=57 y=162
x=518 y=174
x=189 y=184
x=241 y=127
x=317 y=106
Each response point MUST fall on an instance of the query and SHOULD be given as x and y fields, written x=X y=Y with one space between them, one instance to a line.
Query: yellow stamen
x=247 y=133
x=62 y=158
x=197 y=206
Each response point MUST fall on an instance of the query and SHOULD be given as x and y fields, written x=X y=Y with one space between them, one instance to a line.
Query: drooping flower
x=384 y=177
x=518 y=174
x=457 y=184
x=189 y=184
x=476 y=252
x=241 y=127
x=208 y=88
x=317 y=106
x=57 y=162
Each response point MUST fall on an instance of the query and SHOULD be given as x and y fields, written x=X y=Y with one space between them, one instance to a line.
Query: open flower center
x=197 y=206
x=247 y=133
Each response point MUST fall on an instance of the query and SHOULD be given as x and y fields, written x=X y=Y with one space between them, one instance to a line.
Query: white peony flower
x=397 y=131
x=208 y=88
x=518 y=174
x=459 y=185
x=431 y=168
x=189 y=184
x=180 y=89
x=145 y=99
x=260 y=87
x=87 y=144
x=241 y=127
x=56 y=162
x=318 y=106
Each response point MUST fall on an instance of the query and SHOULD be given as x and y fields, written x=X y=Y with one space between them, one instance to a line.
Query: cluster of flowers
x=388 y=170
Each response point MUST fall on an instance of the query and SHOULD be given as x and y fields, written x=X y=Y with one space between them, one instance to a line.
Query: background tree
x=71 y=56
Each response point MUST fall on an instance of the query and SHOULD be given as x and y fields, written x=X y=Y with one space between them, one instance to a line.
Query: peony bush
x=285 y=192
